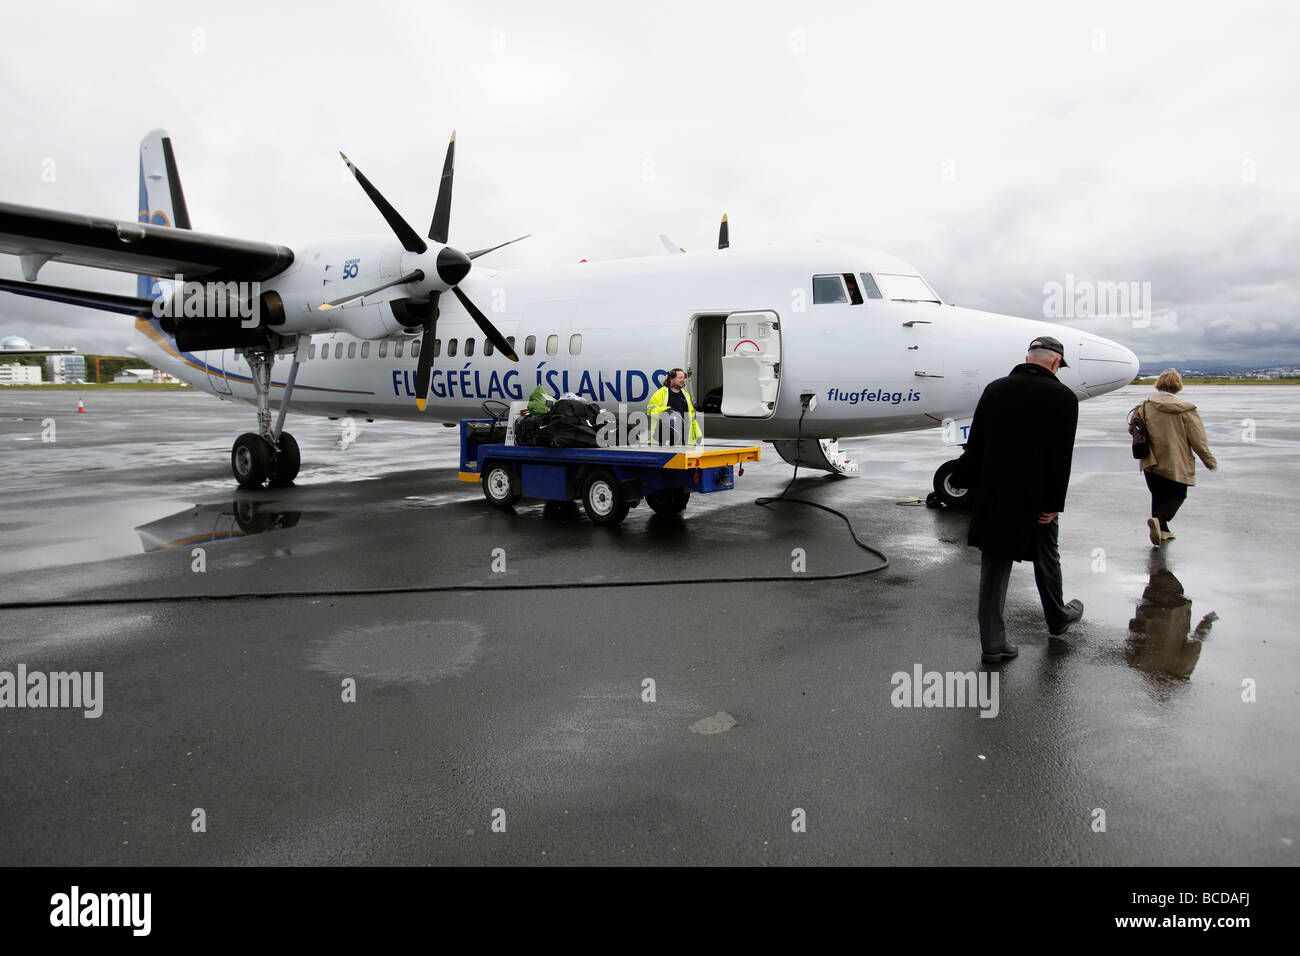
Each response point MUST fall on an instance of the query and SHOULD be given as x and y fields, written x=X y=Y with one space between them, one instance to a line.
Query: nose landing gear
x=946 y=492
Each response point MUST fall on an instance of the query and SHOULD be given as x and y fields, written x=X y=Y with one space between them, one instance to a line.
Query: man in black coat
x=1017 y=467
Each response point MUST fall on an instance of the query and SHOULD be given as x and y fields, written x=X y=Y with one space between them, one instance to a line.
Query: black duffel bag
x=526 y=429
x=570 y=424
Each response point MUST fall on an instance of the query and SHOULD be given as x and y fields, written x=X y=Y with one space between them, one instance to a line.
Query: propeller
x=442 y=269
x=724 y=235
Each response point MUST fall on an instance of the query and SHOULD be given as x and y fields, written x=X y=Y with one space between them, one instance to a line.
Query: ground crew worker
x=676 y=401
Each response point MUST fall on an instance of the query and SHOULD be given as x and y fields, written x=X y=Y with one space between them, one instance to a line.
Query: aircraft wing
x=107 y=301
x=44 y=235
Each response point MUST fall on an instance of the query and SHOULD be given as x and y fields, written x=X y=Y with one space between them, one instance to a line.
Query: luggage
x=526 y=429
x=570 y=424
x=1137 y=429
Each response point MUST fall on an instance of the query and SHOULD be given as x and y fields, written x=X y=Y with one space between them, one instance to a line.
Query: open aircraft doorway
x=735 y=363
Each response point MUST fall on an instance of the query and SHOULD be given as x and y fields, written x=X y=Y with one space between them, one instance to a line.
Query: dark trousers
x=1167 y=496
x=995 y=574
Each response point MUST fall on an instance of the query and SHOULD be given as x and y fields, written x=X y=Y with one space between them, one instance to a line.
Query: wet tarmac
x=746 y=723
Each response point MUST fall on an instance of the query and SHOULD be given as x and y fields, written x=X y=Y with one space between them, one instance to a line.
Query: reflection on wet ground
x=535 y=697
x=204 y=524
x=1162 y=641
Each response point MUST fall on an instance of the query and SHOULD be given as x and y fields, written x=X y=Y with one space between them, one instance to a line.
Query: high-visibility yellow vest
x=659 y=404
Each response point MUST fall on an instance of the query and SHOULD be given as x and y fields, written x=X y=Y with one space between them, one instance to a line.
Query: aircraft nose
x=1105 y=365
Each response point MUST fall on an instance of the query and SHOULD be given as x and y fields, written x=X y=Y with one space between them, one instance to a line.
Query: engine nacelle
x=299 y=315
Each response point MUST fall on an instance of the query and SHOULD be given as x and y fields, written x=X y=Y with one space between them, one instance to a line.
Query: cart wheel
x=603 y=498
x=671 y=502
x=501 y=484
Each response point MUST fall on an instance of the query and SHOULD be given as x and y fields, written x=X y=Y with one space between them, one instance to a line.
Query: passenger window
x=552 y=344
x=575 y=343
x=365 y=350
x=828 y=289
x=397 y=349
x=338 y=351
x=352 y=350
x=510 y=340
x=383 y=349
x=469 y=346
x=451 y=347
x=530 y=345
x=311 y=351
x=870 y=287
x=854 y=295
x=487 y=346
x=437 y=347
x=415 y=348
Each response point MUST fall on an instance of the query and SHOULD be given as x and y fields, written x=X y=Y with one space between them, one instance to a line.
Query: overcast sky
x=998 y=147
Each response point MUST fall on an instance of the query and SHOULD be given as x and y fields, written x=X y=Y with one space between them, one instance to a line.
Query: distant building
x=66 y=368
x=20 y=374
x=152 y=375
x=17 y=344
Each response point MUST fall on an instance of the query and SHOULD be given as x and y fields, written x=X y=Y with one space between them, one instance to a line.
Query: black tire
x=250 y=460
x=670 y=502
x=284 y=468
x=954 y=496
x=250 y=518
x=253 y=520
x=501 y=484
x=603 y=499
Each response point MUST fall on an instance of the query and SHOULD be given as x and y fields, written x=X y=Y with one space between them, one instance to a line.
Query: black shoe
x=1075 y=609
x=995 y=657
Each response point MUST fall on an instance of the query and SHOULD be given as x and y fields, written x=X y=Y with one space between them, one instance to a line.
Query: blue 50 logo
x=350 y=268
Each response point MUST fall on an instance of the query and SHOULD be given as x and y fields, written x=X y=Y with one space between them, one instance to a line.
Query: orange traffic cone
x=81 y=406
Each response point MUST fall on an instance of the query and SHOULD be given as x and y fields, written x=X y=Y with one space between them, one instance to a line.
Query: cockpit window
x=869 y=286
x=828 y=289
x=905 y=288
x=854 y=295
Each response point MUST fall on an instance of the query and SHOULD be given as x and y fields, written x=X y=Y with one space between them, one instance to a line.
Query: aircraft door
x=751 y=364
x=214 y=359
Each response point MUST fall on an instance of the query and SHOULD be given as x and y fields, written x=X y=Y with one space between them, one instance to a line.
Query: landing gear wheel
x=250 y=459
x=501 y=484
x=603 y=498
x=284 y=468
x=671 y=502
x=954 y=496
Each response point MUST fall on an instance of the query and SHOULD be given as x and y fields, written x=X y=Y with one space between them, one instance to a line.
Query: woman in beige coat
x=1175 y=430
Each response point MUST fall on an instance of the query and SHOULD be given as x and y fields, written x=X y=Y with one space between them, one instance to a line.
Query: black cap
x=1052 y=345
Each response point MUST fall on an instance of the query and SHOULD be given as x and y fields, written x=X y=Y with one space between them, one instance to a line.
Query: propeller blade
x=482 y=252
x=442 y=209
x=424 y=371
x=724 y=234
x=410 y=240
x=415 y=276
x=488 y=328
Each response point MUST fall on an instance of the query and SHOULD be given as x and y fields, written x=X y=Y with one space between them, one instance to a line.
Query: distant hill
x=1209 y=367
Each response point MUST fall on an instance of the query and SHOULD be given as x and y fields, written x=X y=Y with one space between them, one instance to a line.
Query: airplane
x=799 y=345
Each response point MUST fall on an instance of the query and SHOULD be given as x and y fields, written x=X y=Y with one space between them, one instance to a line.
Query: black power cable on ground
x=769 y=501
x=449 y=588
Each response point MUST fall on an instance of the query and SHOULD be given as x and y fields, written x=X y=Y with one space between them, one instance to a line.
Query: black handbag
x=1137 y=429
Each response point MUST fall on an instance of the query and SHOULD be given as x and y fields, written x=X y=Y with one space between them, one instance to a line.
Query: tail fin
x=162 y=201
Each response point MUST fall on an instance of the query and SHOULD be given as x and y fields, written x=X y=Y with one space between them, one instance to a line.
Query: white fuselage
x=608 y=331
